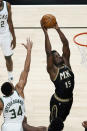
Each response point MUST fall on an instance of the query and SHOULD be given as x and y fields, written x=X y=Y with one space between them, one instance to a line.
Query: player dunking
x=7 y=36
x=12 y=104
x=62 y=76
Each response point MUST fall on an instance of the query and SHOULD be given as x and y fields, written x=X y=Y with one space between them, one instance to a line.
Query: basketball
x=48 y=20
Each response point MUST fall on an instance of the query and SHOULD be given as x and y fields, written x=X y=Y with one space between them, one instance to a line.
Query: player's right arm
x=48 y=49
x=1 y=107
x=50 y=66
x=23 y=77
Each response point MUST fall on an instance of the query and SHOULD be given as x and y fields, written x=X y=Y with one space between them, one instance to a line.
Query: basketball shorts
x=12 y=127
x=58 y=113
x=5 y=43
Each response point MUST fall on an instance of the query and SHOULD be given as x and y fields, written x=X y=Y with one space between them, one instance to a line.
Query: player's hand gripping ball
x=48 y=21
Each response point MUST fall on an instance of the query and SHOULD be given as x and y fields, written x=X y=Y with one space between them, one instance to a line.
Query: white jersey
x=4 y=28
x=14 y=110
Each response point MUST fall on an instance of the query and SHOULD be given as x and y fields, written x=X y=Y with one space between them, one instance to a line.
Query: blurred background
x=46 y=2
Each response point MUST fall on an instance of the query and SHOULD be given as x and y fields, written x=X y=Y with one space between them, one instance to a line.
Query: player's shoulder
x=1 y=102
x=16 y=92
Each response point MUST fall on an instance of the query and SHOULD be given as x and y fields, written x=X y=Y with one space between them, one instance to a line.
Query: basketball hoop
x=82 y=47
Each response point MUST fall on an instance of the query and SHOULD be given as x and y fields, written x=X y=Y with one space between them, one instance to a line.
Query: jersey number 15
x=68 y=84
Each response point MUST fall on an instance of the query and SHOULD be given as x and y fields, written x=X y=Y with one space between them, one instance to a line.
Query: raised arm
x=23 y=77
x=48 y=49
x=66 y=50
x=11 y=28
x=1 y=106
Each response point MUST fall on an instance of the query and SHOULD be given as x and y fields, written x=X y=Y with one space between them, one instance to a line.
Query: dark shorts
x=58 y=113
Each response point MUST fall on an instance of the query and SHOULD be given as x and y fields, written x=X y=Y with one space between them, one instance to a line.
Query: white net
x=82 y=39
x=83 y=52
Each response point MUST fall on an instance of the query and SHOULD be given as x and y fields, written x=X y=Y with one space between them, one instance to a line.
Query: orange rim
x=74 y=39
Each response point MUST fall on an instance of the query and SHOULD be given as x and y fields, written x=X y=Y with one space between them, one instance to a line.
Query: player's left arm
x=23 y=77
x=11 y=28
x=1 y=107
x=66 y=50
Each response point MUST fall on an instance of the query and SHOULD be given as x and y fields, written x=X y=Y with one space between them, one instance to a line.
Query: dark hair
x=6 y=88
x=53 y=51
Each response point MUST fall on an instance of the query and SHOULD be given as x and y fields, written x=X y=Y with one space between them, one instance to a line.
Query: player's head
x=7 y=88
x=57 y=59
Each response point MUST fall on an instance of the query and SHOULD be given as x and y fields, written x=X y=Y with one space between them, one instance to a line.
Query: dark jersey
x=64 y=83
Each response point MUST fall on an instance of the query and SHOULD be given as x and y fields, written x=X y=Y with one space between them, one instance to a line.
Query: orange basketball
x=48 y=20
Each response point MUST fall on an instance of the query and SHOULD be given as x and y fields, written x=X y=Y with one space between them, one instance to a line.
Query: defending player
x=12 y=104
x=7 y=36
x=62 y=76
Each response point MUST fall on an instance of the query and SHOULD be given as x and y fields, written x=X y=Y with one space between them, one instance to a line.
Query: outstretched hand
x=43 y=27
x=29 y=44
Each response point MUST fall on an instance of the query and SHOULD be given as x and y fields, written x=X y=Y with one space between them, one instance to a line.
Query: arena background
x=46 y=2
